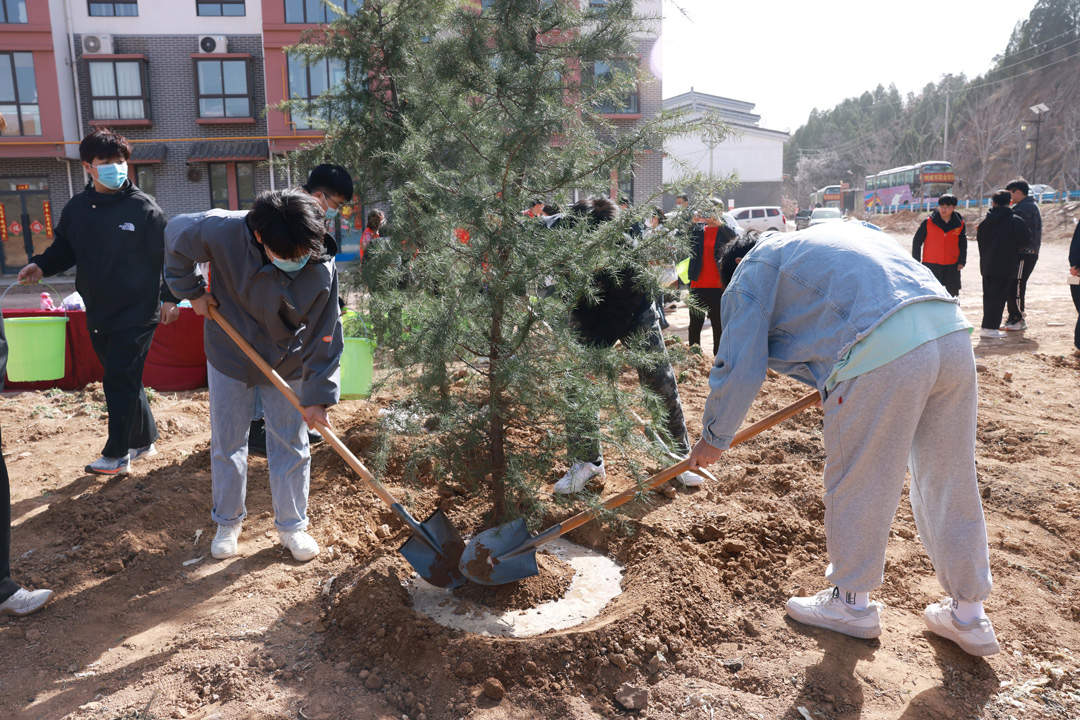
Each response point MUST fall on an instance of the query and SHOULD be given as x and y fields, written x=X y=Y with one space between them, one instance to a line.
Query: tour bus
x=921 y=184
x=828 y=196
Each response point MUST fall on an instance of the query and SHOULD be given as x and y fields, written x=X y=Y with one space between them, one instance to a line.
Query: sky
x=791 y=56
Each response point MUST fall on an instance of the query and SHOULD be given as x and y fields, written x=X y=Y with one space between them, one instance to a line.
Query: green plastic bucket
x=36 y=348
x=357 y=368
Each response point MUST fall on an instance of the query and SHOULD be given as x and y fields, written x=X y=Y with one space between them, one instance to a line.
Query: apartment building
x=193 y=85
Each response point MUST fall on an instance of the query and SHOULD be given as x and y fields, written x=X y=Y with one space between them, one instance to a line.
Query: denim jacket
x=797 y=303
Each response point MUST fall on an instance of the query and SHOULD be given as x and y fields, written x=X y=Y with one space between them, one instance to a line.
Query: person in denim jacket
x=844 y=309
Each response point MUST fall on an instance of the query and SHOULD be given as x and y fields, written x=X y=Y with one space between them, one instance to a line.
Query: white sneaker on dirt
x=578 y=476
x=827 y=610
x=975 y=638
x=225 y=541
x=110 y=466
x=1014 y=326
x=690 y=479
x=991 y=333
x=144 y=452
x=24 y=602
x=302 y=546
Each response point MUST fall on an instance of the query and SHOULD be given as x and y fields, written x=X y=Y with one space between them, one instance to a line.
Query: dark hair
x=948 y=199
x=375 y=220
x=602 y=210
x=289 y=222
x=551 y=209
x=682 y=196
x=735 y=251
x=1002 y=198
x=623 y=200
x=330 y=180
x=104 y=144
x=658 y=213
x=1019 y=184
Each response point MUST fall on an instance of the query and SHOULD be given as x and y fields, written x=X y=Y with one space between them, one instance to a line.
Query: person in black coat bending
x=1001 y=235
x=115 y=234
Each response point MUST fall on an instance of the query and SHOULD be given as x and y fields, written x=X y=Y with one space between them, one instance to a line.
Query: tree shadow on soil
x=1010 y=346
x=968 y=685
x=832 y=681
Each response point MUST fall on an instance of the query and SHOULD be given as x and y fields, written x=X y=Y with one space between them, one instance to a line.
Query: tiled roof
x=228 y=151
x=148 y=153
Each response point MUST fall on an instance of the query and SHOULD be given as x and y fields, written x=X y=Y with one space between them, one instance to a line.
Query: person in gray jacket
x=1025 y=208
x=844 y=309
x=275 y=281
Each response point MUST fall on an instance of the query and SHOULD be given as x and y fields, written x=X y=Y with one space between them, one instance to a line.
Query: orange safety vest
x=940 y=247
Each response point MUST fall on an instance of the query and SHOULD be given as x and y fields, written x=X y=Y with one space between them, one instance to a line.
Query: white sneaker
x=110 y=466
x=989 y=333
x=302 y=546
x=975 y=638
x=24 y=602
x=690 y=479
x=578 y=476
x=1018 y=325
x=144 y=452
x=827 y=610
x=225 y=542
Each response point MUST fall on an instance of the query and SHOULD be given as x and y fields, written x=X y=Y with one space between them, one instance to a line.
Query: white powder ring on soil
x=597 y=581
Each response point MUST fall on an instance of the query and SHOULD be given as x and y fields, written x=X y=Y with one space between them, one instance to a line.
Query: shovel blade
x=435 y=551
x=483 y=560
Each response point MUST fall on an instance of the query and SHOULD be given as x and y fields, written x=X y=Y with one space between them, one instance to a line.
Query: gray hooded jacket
x=291 y=319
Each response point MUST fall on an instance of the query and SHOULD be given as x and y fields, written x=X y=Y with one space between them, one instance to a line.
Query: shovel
x=435 y=547
x=507 y=553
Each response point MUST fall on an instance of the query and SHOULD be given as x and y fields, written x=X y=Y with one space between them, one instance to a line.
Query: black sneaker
x=314 y=437
x=257 y=438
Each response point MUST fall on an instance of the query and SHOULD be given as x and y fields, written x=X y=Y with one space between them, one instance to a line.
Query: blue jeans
x=287 y=455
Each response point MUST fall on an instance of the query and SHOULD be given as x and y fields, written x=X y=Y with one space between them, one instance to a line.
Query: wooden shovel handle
x=668 y=473
x=280 y=384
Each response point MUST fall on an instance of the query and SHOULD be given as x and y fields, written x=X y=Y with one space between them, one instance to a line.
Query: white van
x=761 y=218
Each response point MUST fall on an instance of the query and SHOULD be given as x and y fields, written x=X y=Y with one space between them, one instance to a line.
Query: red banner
x=47 y=208
x=938 y=177
x=3 y=224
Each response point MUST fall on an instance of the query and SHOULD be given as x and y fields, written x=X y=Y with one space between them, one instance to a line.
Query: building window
x=626 y=185
x=18 y=94
x=144 y=179
x=13 y=11
x=218 y=8
x=118 y=8
x=118 y=90
x=232 y=185
x=315 y=12
x=310 y=81
x=602 y=74
x=224 y=88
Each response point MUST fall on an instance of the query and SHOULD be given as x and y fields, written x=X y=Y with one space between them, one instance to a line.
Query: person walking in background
x=275 y=281
x=1027 y=210
x=844 y=309
x=1000 y=236
x=375 y=220
x=1074 y=287
x=655 y=226
x=940 y=244
x=708 y=237
x=114 y=236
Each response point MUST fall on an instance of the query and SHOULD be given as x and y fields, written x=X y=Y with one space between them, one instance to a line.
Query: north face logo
x=128 y=226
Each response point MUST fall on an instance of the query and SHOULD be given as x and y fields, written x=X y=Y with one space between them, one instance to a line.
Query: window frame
x=349 y=6
x=18 y=115
x=91 y=3
x=5 y=20
x=221 y=7
x=629 y=109
x=309 y=99
x=199 y=96
x=141 y=170
x=144 y=85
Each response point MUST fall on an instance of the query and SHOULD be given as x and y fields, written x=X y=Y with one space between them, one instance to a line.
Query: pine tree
x=459 y=117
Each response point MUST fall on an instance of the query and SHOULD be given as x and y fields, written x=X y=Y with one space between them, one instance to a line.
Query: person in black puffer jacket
x=1001 y=235
x=1027 y=210
x=115 y=235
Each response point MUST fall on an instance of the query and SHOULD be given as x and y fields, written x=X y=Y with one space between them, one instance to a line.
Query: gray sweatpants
x=918 y=411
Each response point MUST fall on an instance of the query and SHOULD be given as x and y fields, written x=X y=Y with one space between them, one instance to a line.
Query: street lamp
x=1040 y=111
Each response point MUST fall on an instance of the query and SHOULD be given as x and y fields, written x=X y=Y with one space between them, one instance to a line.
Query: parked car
x=761 y=218
x=802 y=219
x=730 y=220
x=824 y=215
x=1041 y=193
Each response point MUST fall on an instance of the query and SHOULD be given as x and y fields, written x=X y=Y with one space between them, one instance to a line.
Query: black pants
x=7 y=585
x=123 y=354
x=1016 y=297
x=996 y=292
x=710 y=298
x=947 y=275
x=1075 y=290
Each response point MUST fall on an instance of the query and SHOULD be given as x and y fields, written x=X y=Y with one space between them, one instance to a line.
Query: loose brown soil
x=551 y=584
x=700 y=623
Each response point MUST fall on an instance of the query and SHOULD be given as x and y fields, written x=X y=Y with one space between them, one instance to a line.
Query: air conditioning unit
x=97 y=44
x=213 y=44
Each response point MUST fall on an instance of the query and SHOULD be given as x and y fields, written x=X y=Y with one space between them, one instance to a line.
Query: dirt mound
x=551 y=584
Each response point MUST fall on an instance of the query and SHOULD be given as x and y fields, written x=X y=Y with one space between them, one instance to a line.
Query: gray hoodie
x=291 y=319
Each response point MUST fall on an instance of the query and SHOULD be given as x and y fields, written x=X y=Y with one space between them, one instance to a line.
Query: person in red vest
x=940 y=244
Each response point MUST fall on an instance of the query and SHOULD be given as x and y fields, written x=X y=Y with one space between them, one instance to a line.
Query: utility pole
x=945 y=149
x=1040 y=111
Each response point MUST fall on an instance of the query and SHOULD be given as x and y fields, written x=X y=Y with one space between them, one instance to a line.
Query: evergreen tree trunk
x=497 y=433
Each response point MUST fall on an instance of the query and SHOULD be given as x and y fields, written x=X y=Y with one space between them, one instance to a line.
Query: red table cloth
x=176 y=360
